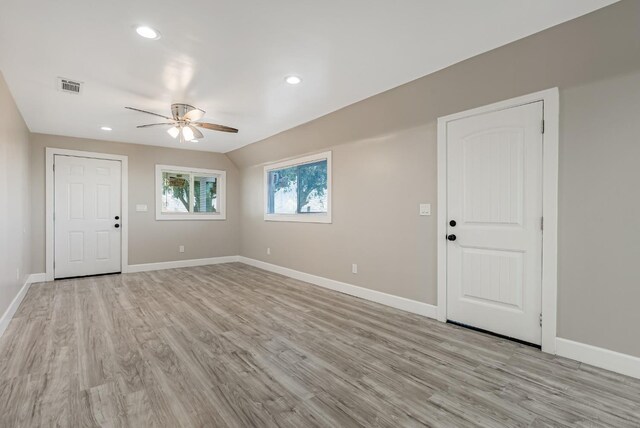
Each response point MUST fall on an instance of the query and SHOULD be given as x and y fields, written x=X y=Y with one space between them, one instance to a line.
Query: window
x=189 y=193
x=299 y=189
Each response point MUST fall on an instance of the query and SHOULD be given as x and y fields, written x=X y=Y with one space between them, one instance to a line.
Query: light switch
x=425 y=209
x=141 y=208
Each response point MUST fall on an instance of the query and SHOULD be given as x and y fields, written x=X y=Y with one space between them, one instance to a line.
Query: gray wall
x=375 y=222
x=149 y=240
x=384 y=151
x=599 y=230
x=15 y=228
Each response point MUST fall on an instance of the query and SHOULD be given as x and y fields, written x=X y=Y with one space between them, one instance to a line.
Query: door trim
x=49 y=198
x=551 y=116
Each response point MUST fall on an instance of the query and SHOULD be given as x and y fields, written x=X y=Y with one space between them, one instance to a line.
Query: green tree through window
x=307 y=181
x=176 y=186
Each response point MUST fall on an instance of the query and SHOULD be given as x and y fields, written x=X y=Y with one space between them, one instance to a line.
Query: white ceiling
x=230 y=57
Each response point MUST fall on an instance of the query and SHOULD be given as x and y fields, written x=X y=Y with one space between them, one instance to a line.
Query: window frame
x=298 y=217
x=221 y=193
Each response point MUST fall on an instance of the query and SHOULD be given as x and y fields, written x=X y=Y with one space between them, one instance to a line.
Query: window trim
x=298 y=217
x=221 y=194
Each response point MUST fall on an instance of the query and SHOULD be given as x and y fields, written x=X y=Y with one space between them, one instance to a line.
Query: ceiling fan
x=184 y=122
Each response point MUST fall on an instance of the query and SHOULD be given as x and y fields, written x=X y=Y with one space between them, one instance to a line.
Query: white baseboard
x=37 y=277
x=15 y=303
x=600 y=357
x=181 y=264
x=401 y=303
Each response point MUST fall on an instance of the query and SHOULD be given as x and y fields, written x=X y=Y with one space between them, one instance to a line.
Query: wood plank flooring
x=232 y=345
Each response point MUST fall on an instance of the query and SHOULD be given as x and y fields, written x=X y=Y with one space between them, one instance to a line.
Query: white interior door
x=494 y=196
x=86 y=216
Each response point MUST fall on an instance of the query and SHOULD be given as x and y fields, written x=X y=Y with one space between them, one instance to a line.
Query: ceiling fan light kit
x=173 y=131
x=187 y=133
x=184 y=122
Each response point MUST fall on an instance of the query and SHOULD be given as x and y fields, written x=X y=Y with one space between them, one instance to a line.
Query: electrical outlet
x=268 y=251
x=425 y=209
x=354 y=268
x=181 y=248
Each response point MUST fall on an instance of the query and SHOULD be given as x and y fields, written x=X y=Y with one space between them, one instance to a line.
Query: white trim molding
x=15 y=303
x=51 y=152
x=37 y=277
x=298 y=217
x=221 y=193
x=599 y=357
x=145 y=267
x=551 y=117
x=401 y=303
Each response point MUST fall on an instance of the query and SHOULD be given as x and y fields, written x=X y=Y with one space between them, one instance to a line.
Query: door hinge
x=540 y=319
x=54 y=166
x=542 y=223
x=543 y=126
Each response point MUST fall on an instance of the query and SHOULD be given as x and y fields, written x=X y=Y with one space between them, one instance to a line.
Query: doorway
x=497 y=194
x=86 y=214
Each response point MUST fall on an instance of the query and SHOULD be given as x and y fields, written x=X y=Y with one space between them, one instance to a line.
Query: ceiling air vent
x=69 y=86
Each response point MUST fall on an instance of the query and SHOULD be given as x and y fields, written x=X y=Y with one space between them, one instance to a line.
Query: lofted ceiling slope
x=231 y=58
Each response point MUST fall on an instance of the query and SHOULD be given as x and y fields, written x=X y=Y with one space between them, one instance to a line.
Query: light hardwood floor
x=232 y=345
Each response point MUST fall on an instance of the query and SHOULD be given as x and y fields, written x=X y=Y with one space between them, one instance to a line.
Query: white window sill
x=190 y=217
x=299 y=218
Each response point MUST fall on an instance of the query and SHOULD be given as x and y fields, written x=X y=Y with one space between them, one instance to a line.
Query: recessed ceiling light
x=106 y=128
x=147 y=32
x=293 y=80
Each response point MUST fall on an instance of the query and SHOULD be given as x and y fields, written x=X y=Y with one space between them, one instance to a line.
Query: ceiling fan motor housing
x=178 y=110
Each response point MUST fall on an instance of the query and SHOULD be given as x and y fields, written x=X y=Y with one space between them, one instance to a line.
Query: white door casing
x=551 y=115
x=87 y=200
x=494 y=184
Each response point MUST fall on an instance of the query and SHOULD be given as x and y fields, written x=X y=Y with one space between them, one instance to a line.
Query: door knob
x=451 y=237
x=452 y=223
x=117 y=225
x=117 y=217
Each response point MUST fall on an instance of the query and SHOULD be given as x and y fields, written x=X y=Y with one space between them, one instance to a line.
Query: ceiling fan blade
x=192 y=115
x=155 y=124
x=215 y=127
x=149 y=112
x=197 y=135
